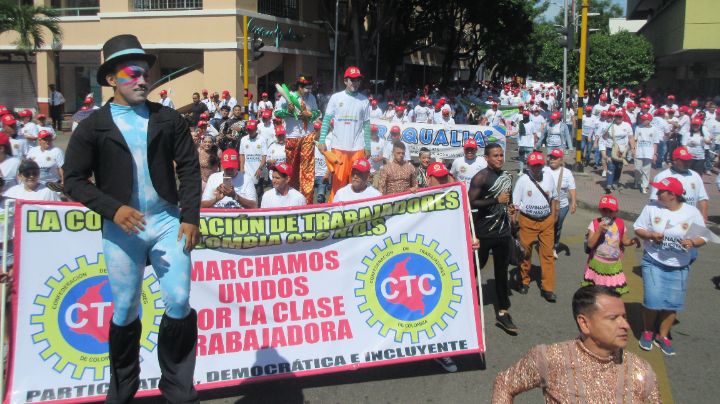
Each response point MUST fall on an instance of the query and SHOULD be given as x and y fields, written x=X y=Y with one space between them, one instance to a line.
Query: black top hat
x=119 y=49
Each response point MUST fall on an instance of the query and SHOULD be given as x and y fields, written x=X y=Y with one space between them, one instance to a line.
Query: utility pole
x=337 y=28
x=245 y=65
x=581 y=83
x=565 y=60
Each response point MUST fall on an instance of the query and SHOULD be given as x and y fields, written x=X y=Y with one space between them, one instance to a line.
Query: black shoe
x=177 y=345
x=549 y=296
x=523 y=289
x=124 y=346
x=505 y=322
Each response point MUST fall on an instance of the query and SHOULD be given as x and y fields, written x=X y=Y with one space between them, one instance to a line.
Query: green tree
x=620 y=60
x=31 y=24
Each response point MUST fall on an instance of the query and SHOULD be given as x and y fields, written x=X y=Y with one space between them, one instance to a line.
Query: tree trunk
x=492 y=71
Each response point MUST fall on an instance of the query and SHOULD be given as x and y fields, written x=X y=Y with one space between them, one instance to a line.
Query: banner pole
x=477 y=268
x=3 y=295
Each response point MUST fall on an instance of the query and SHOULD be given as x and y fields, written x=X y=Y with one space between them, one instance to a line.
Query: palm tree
x=30 y=23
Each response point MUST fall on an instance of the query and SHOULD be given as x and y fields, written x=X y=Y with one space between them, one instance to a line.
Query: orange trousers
x=341 y=176
x=544 y=232
x=300 y=155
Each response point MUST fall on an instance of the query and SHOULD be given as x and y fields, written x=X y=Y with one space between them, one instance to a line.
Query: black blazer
x=98 y=148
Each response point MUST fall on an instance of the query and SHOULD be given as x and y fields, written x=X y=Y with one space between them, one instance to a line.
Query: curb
x=632 y=216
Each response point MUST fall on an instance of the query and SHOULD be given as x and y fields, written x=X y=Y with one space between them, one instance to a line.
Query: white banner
x=279 y=293
x=443 y=141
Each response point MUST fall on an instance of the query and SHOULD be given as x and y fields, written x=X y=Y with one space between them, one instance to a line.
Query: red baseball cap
x=630 y=104
x=588 y=108
x=694 y=103
x=204 y=115
x=603 y=97
x=362 y=165
x=470 y=144
x=3 y=110
x=612 y=108
x=317 y=125
x=681 y=153
x=283 y=168
x=399 y=109
x=225 y=93
x=619 y=113
x=395 y=130
x=352 y=72
x=41 y=116
x=230 y=159
x=25 y=113
x=4 y=139
x=204 y=91
x=429 y=101
x=555 y=115
x=280 y=131
x=670 y=97
x=163 y=92
x=556 y=153
x=646 y=117
x=8 y=119
x=671 y=184
x=608 y=202
x=264 y=94
x=44 y=134
x=202 y=123
x=89 y=100
x=251 y=125
x=266 y=114
x=535 y=158
x=526 y=113
x=373 y=128
x=660 y=111
x=373 y=103
x=437 y=169
x=696 y=121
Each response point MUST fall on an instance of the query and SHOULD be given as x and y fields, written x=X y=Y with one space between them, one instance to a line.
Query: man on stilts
x=300 y=138
x=134 y=149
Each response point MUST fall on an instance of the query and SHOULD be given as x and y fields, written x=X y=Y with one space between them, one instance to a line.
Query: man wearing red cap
x=422 y=112
x=375 y=111
x=670 y=103
x=697 y=142
x=527 y=136
x=266 y=129
x=619 y=142
x=536 y=204
x=464 y=168
x=589 y=126
x=276 y=153
x=646 y=138
x=282 y=195
x=601 y=106
x=28 y=129
x=165 y=101
x=377 y=150
x=226 y=100
x=556 y=134
x=17 y=143
x=659 y=121
x=351 y=111
x=489 y=194
x=494 y=115
x=300 y=144
x=230 y=188
x=264 y=103
x=359 y=187
x=253 y=153
x=692 y=183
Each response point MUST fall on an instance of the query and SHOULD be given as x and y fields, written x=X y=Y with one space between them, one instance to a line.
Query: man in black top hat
x=135 y=149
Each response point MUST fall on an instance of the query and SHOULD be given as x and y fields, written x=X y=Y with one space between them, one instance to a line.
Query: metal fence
x=148 y=5
x=279 y=8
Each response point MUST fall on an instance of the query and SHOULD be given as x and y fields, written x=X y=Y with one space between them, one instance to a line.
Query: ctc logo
x=392 y=287
x=77 y=315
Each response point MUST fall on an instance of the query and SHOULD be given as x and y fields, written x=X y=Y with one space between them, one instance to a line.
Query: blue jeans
x=559 y=223
x=320 y=190
x=661 y=149
x=586 y=147
x=524 y=152
x=614 y=169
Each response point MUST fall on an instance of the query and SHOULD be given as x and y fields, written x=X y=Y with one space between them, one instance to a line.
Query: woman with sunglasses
x=49 y=158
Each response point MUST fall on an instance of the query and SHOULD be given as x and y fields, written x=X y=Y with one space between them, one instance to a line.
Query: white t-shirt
x=597 y=109
x=253 y=150
x=695 y=143
x=494 y=117
x=528 y=199
x=673 y=225
x=376 y=150
x=272 y=199
x=602 y=136
x=276 y=151
x=320 y=164
x=265 y=104
x=621 y=132
x=568 y=183
x=712 y=128
x=50 y=161
x=538 y=121
x=42 y=193
x=350 y=112
x=242 y=183
x=589 y=125
x=19 y=147
x=528 y=140
x=422 y=114
x=464 y=170
x=684 y=125
x=30 y=131
x=554 y=137
x=645 y=139
x=376 y=113
x=346 y=194
x=663 y=125
x=266 y=133
x=9 y=171
x=692 y=184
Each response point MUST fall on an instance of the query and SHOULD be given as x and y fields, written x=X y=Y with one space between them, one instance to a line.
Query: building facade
x=685 y=35
x=199 y=44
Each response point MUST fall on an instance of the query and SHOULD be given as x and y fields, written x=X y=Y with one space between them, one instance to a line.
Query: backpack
x=596 y=224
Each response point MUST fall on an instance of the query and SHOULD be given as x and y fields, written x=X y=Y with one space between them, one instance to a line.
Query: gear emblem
x=409 y=288
x=75 y=315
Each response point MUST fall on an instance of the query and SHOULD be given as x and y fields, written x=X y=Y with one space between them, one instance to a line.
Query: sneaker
x=604 y=173
x=505 y=322
x=645 y=191
x=447 y=364
x=523 y=289
x=664 y=345
x=555 y=254
x=646 y=340
x=549 y=296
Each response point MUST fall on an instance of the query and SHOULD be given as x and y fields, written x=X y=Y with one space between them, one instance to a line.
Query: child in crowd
x=606 y=242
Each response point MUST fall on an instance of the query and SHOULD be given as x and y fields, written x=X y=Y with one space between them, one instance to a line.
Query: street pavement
x=688 y=377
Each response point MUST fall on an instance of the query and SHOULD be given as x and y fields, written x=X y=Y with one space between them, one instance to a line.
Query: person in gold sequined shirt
x=594 y=368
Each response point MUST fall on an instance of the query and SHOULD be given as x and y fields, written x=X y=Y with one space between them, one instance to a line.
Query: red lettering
x=228 y=269
x=297 y=263
x=279 y=266
x=344 y=330
x=312 y=334
x=284 y=287
x=278 y=337
x=301 y=287
x=294 y=335
x=279 y=312
x=332 y=261
x=262 y=266
x=233 y=341
x=198 y=273
x=243 y=270
x=308 y=309
x=316 y=261
x=206 y=319
x=339 y=306
x=251 y=341
x=212 y=271
x=257 y=316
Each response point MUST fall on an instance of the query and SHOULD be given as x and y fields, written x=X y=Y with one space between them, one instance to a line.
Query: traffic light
x=257 y=44
x=567 y=36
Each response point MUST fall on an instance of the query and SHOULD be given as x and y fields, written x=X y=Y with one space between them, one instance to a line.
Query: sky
x=556 y=7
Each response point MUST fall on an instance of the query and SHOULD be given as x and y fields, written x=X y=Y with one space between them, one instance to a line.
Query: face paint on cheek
x=129 y=75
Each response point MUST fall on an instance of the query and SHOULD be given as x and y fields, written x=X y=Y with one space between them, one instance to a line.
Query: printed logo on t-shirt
x=656 y=220
x=692 y=185
x=685 y=226
x=529 y=192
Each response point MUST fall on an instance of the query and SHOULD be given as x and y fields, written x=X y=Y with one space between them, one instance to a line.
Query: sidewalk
x=590 y=185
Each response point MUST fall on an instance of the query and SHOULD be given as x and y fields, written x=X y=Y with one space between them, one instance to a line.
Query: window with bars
x=280 y=8
x=149 y=5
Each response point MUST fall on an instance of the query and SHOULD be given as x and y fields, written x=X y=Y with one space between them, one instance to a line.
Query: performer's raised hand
x=129 y=219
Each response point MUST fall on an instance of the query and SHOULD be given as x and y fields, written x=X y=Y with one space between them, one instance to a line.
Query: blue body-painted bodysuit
x=126 y=255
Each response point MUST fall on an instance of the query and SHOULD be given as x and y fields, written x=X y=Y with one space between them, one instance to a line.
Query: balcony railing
x=77 y=11
x=153 y=5
x=279 y=8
